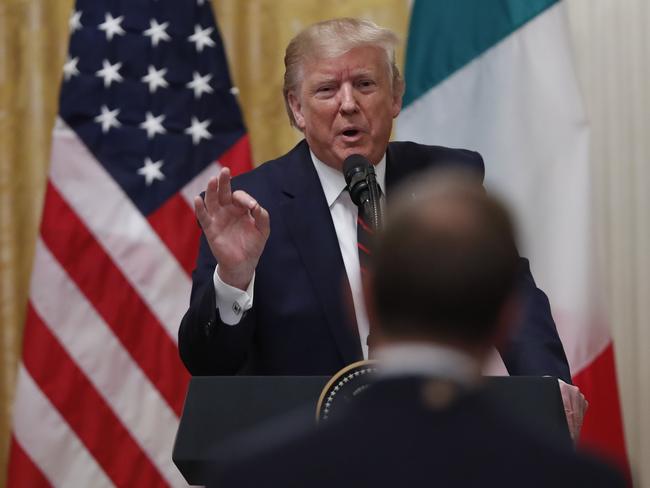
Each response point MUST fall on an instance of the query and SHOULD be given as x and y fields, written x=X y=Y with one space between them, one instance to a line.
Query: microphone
x=355 y=171
x=362 y=184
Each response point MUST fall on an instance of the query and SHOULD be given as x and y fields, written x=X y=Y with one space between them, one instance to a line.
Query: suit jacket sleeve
x=208 y=346
x=535 y=348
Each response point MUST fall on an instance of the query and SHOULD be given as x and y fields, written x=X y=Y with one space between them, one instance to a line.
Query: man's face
x=346 y=105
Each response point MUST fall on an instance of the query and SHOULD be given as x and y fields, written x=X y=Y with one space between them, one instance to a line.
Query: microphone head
x=355 y=171
x=353 y=164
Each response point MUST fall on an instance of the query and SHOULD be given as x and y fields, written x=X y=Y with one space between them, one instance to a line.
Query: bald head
x=445 y=264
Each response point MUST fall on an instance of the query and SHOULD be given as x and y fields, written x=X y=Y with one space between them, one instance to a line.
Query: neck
x=401 y=358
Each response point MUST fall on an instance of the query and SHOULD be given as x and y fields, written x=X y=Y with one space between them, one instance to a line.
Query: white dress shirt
x=232 y=302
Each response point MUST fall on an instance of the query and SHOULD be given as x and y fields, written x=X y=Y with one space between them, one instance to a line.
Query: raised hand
x=236 y=228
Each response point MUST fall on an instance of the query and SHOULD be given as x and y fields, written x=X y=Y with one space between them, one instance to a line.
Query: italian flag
x=497 y=76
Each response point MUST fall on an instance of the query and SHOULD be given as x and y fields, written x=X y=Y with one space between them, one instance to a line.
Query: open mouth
x=350 y=132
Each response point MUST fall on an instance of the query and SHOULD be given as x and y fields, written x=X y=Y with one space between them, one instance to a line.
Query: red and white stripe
x=36 y=415
x=101 y=385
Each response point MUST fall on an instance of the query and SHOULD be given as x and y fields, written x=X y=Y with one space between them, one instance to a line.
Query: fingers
x=211 y=194
x=224 y=192
x=575 y=406
x=201 y=212
x=262 y=220
x=243 y=200
x=218 y=192
x=259 y=213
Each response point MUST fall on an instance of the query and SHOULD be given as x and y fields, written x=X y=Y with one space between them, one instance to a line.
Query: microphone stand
x=373 y=203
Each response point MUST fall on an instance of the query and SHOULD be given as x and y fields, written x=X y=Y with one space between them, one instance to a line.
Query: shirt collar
x=427 y=359
x=333 y=181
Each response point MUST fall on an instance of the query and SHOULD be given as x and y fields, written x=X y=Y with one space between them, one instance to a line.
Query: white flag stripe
x=61 y=446
x=120 y=228
x=541 y=166
x=117 y=378
x=199 y=183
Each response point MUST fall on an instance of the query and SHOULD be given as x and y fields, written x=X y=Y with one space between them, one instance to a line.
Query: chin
x=356 y=150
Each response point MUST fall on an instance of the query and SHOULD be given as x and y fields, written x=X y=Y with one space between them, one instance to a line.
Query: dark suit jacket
x=301 y=321
x=393 y=435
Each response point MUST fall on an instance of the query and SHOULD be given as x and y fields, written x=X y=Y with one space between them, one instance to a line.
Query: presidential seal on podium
x=343 y=388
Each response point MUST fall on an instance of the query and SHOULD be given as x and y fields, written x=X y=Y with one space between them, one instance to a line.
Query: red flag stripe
x=22 y=470
x=177 y=227
x=238 y=157
x=199 y=184
x=127 y=237
x=602 y=430
x=94 y=272
x=175 y=222
x=60 y=455
x=83 y=408
x=129 y=397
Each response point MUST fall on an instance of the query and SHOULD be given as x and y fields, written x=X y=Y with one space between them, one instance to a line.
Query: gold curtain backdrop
x=33 y=44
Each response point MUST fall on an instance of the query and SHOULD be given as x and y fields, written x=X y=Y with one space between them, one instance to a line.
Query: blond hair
x=332 y=38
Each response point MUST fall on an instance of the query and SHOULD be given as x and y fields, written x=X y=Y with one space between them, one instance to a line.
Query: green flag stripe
x=445 y=35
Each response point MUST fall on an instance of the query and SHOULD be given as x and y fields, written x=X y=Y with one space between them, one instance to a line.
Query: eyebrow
x=325 y=78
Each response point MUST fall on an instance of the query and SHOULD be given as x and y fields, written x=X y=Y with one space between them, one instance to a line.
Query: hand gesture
x=236 y=228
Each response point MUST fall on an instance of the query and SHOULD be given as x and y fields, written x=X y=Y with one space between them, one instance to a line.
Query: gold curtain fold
x=33 y=44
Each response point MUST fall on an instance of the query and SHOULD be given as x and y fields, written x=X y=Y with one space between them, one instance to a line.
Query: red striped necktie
x=365 y=247
x=365 y=236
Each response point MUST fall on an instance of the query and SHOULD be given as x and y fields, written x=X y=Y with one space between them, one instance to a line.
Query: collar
x=420 y=359
x=333 y=181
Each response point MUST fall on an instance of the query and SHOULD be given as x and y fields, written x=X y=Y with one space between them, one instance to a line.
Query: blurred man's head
x=445 y=265
x=343 y=89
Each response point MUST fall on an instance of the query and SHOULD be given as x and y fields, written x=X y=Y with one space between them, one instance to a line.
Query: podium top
x=219 y=409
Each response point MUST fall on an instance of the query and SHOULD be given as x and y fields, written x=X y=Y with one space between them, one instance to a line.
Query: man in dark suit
x=441 y=291
x=280 y=299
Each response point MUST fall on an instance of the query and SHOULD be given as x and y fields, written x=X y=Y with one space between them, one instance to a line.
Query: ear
x=296 y=109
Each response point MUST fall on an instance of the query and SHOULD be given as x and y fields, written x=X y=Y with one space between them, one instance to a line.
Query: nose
x=348 y=102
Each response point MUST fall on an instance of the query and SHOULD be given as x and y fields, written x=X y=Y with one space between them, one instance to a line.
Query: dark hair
x=445 y=263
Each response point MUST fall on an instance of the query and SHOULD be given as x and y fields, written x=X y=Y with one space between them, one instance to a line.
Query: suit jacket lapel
x=309 y=221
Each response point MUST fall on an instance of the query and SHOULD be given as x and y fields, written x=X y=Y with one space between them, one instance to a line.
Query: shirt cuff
x=232 y=302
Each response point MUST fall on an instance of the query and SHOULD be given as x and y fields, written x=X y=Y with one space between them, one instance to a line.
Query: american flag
x=147 y=114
